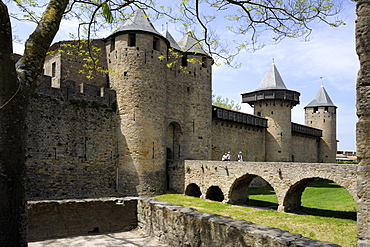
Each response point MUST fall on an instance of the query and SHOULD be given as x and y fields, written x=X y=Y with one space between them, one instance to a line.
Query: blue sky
x=330 y=55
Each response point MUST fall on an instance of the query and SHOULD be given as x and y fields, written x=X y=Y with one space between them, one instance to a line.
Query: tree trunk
x=13 y=224
x=15 y=87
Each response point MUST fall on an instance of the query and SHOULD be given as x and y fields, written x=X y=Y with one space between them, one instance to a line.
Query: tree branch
x=30 y=69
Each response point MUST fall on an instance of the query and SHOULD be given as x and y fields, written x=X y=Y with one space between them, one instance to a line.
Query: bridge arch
x=238 y=192
x=293 y=199
x=193 y=190
x=214 y=193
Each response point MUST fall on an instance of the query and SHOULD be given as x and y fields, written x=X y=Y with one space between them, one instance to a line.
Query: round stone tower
x=321 y=113
x=273 y=101
x=138 y=76
x=164 y=104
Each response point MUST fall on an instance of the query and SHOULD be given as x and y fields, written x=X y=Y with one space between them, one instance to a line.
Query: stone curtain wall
x=236 y=137
x=363 y=129
x=305 y=148
x=71 y=147
x=172 y=224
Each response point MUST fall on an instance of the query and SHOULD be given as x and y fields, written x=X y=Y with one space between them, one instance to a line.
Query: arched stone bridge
x=229 y=181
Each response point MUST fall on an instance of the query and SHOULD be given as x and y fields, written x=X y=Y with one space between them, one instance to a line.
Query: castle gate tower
x=321 y=113
x=139 y=78
x=273 y=101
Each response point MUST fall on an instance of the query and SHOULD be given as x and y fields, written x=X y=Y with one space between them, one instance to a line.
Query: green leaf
x=107 y=12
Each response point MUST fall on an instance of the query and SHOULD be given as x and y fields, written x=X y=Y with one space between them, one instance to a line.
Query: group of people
x=227 y=156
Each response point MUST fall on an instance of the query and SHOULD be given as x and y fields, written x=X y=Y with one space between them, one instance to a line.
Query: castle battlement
x=71 y=90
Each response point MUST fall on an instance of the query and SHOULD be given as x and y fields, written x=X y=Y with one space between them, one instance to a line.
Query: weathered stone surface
x=363 y=129
x=172 y=224
x=182 y=226
x=61 y=218
x=288 y=179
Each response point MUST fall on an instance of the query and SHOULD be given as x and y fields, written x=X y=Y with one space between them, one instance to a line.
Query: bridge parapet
x=288 y=179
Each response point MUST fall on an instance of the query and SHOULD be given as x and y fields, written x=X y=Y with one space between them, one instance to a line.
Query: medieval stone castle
x=122 y=129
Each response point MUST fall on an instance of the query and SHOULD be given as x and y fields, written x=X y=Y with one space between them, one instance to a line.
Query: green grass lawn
x=328 y=212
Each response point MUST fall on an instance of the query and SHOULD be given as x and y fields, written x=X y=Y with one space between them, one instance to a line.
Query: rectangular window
x=131 y=39
x=315 y=109
x=112 y=44
x=184 y=60
x=53 y=69
x=204 y=62
x=155 y=44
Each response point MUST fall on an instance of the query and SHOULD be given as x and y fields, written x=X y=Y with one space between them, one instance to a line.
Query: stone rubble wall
x=362 y=127
x=178 y=225
x=62 y=218
x=172 y=224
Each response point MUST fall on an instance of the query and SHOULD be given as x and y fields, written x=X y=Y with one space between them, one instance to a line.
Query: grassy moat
x=328 y=211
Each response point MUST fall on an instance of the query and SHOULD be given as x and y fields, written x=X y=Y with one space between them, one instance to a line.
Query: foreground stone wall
x=62 y=218
x=173 y=224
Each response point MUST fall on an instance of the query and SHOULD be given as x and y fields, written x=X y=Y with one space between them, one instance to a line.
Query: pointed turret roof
x=189 y=43
x=139 y=21
x=272 y=80
x=322 y=99
x=271 y=87
x=172 y=41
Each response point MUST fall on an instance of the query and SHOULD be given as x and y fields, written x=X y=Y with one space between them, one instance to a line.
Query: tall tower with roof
x=272 y=100
x=164 y=111
x=321 y=113
x=135 y=72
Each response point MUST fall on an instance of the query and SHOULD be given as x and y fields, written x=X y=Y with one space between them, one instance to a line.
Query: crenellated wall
x=71 y=141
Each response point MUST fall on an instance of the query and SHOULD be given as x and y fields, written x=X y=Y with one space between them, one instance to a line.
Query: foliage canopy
x=223 y=27
x=225 y=103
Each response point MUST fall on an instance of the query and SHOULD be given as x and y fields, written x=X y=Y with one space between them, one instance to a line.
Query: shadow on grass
x=306 y=210
x=324 y=183
x=262 y=204
x=330 y=213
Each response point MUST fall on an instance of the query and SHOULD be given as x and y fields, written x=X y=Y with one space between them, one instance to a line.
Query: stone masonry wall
x=362 y=127
x=72 y=61
x=286 y=178
x=173 y=224
x=177 y=225
x=62 y=218
x=305 y=148
x=71 y=145
x=236 y=137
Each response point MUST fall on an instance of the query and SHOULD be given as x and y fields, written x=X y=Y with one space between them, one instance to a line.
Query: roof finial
x=322 y=83
x=273 y=60
x=167 y=26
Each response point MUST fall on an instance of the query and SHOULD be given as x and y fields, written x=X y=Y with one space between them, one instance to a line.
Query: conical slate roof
x=272 y=80
x=138 y=22
x=322 y=99
x=172 y=41
x=189 y=43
